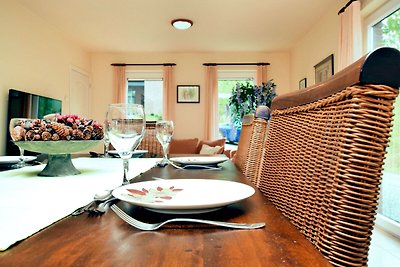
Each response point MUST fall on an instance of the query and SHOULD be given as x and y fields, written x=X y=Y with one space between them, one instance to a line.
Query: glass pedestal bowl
x=59 y=154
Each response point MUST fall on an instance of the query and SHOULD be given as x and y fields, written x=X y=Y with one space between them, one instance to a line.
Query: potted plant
x=244 y=100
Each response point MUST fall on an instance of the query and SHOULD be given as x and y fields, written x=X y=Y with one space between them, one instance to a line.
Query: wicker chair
x=150 y=142
x=251 y=143
x=322 y=162
x=240 y=156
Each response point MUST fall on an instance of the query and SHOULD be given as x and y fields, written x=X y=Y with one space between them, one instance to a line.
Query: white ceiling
x=219 y=25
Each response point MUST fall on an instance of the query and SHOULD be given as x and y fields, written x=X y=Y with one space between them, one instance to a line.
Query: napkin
x=29 y=203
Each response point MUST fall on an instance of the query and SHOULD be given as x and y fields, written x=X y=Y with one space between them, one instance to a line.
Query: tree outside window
x=387 y=33
x=225 y=87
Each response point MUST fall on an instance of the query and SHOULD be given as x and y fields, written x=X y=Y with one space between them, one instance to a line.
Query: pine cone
x=60 y=129
x=46 y=136
x=18 y=133
x=30 y=135
x=98 y=133
x=36 y=123
x=77 y=134
x=42 y=128
x=87 y=133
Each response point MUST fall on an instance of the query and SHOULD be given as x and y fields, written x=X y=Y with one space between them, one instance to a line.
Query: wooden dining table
x=109 y=241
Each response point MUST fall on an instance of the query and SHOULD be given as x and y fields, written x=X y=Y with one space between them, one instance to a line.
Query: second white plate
x=199 y=160
x=136 y=152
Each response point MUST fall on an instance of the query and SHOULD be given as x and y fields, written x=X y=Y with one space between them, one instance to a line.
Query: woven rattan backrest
x=151 y=143
x=258 y=135
x=241 y=154
x=322 y=162
x=251 y=143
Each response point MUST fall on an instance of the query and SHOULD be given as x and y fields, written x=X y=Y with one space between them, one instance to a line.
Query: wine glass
x=106 y=139
x=17 y=133
x=164 y=133
x=126 y=128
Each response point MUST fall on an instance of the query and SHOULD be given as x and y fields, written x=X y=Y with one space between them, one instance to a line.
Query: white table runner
x=29 y=203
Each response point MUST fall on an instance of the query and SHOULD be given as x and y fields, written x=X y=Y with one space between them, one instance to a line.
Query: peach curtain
x=211 y=103
x=350 y=38
x=119 y=95
x=261 y=74
x=168 y=91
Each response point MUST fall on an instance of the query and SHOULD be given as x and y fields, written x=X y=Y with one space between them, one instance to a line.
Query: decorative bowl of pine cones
x=58 y=136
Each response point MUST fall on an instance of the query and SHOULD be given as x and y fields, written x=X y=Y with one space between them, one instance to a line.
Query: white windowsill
x=387 y=225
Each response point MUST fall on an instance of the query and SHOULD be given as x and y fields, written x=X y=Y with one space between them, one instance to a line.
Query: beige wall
x=34 y=57
x=321 y=41
x=189 y=118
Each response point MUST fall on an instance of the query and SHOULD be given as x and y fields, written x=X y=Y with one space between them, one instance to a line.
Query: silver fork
x=194 y=166
x=101 y=207
x=154 y=226
x=98 y=198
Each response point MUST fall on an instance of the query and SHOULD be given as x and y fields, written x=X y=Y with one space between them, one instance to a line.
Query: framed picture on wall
x=324 y=69
x=303 y=83
x=188 y=94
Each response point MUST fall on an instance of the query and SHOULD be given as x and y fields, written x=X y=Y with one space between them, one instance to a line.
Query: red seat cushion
x=184 y=146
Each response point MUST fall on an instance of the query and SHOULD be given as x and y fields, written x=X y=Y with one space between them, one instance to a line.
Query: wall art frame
x=188 y=94
x=324 y=69
x=303 y=83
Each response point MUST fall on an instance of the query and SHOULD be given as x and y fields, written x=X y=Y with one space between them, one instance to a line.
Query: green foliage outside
x=390 y=28
x=389 y=32
x=153 y=117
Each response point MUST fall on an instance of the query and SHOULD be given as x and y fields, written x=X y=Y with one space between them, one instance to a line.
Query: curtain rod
x=143 y=64
x=236 y=64
x=346 y=6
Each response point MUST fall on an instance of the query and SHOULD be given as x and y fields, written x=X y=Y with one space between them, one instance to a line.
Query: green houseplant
x=246 y=97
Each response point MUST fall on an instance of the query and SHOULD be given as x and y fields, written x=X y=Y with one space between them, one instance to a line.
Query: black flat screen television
x=26 y=105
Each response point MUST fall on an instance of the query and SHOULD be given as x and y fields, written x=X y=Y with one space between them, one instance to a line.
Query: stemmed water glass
x=16 y=128
x=164 y=133
x=126 y=129
x=106 y=139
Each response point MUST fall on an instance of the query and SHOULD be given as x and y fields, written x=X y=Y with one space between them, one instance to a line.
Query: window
x=384 y=30
x=387 y=31
x=146 y=88
x=227 y=80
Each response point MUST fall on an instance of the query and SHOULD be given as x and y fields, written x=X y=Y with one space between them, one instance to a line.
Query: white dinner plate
x=183 y=196
x=15 y=159
x=199 y=160
x=136 y=152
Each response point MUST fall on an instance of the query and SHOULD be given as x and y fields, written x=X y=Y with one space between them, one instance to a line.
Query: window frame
x=236 y=74
x=228 y=74
x=144 y=75
x=379 y=14
x=385 y=10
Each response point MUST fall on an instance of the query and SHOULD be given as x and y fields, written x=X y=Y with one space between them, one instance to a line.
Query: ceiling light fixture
x=182 y=24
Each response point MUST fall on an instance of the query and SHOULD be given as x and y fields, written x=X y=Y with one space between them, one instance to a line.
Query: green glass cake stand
x=59 y=154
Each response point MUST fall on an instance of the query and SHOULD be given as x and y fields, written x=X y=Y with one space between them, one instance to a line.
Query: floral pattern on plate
x=154 y=195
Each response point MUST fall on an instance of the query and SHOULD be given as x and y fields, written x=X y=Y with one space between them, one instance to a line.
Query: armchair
x=323 y=157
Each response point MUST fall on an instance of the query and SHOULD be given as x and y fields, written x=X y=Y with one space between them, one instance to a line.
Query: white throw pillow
x=209 y=150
